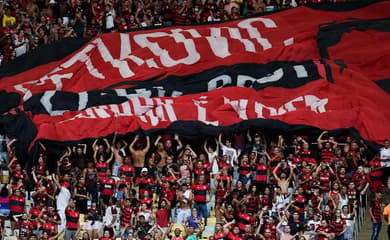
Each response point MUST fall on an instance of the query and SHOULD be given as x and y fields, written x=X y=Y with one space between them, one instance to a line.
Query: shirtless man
x=163 y=155
x=138 y=154
x=118 y=148
x=286 y=233
x=284 y=180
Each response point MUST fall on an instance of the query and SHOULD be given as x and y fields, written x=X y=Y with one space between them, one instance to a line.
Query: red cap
x=66 y=184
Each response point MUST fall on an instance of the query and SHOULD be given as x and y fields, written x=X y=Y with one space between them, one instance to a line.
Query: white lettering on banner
x=222 y=81
x=239 y=106
x=199 y=103
x=275 y=76
x=316 y=105
x=141 y=92
x=121 y=110
x=166 y=60
x=126 y=50
x=83 y=100
x=88 y=113
x=81 y=56
x=155 y=109
x=121 y=65
x=220 y=46
x=235 y=34
x=254 y=32
x=248 y=81
x=84 y=57
x=101 y=112
x=45 y=101
x=56 y=79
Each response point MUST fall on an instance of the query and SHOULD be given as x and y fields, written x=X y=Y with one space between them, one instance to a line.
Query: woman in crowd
x=273 y=196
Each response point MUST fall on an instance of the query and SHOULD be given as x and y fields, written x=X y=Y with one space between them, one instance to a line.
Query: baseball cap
x=144 y=169
x=66 y=184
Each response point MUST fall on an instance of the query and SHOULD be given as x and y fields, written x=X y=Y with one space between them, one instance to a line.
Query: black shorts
x=105 y=198
x=12 y=214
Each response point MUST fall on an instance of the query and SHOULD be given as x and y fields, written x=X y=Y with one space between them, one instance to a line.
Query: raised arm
x=334 y=143
x=280 y=141
x=205 y=146
x=278 y=227
x=276 y=175
x=248 y=135
x=84 y=147
x=94 y=145
x=9 y=144
x=42 y=146
x=108 y=146
x=227 y=225
x=319 y=139
x=110 y=158
x=114 y=139
x=291 y=174
x=157 y=140
x=146 y=149
x=220 y=140
x=179 y=143
x=131 y=146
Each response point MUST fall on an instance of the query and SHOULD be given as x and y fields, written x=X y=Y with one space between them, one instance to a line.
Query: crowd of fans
x=143 y=187
x=28 y=24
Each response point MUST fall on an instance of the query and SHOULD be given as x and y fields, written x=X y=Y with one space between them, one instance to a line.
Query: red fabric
x=300 y=23
x=340 y=111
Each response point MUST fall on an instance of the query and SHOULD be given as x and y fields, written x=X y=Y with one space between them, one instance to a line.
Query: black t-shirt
x=166 y=168
x=295 y=225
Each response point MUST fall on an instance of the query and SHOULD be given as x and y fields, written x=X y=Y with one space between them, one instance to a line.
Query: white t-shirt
x=230 y=152
x=214 y=167
x=147 y=215
x=109 y=214
x=280 y=202
x=347 y=217
x=343 y=201
x=110 y=19
x=315 y=223
x=63 y=198
x=385 y=155
x=22 y=49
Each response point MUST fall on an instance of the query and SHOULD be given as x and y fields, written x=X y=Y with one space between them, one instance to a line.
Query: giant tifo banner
x=322 y=68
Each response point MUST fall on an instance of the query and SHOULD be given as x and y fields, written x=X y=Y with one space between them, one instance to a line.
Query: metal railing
x=360 y=214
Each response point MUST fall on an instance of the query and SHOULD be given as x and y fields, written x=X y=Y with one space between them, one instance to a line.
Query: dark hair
x=4 y=191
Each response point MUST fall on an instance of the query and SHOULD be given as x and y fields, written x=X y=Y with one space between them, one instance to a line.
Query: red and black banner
x=322 y=68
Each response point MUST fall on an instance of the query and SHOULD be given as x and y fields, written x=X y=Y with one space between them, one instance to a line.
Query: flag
x=325 y=68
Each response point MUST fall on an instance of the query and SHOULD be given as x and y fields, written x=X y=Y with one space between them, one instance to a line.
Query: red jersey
x=107 y=185
x=231 y=236
x=243 y=219
x=128 y=171
x=200 y=192
x=145 y=184
x=101 y=168
x=72 y=219
x=219 y=236
x=17 y=204
x=360 y=179
x=322 y=229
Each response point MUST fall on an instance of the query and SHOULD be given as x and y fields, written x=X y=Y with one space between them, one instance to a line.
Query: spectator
x=386 y=213
x=375 y=214
x=283 y=198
